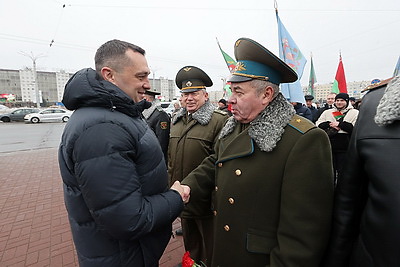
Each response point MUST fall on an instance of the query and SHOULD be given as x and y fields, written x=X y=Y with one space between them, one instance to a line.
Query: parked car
x=48 y=115
x=168 y=107
x=17 y=115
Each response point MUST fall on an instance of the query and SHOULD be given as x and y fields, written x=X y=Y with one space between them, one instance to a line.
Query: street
x=17 y=136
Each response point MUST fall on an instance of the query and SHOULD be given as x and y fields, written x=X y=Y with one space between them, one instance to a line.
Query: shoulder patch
x=220 y=112
x=301 y=124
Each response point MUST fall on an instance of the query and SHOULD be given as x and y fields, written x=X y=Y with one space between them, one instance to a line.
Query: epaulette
x=377 y=85
x=301 y=124
x=220 y=112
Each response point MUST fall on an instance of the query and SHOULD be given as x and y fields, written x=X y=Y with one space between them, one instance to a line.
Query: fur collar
x=388 y=110
x=147 y=112
x=202 y=115
x=267 y=129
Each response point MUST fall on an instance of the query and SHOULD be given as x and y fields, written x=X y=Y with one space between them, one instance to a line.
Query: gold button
x=215 y=212
x=238 y=172
x=231 y=200
x=226 y=228
x=220 y=164
x=216 y=188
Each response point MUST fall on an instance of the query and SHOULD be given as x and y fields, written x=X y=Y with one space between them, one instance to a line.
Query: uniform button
x=238 y=172
x=215 y=212
x=226 y=228
x=216 y=188
x=231 y=200
x=220 y=164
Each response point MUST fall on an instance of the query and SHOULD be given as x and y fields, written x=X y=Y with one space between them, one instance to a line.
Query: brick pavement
x=34 y=229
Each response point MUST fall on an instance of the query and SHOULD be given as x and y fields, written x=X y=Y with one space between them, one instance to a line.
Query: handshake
x=183 y=190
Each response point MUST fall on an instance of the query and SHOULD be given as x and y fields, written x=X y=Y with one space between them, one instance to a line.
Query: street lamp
x=34 y=58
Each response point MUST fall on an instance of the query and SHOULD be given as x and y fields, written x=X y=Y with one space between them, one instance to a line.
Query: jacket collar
x=388 y=110
x=267 y=129
x=147 y=112
x=202 y=115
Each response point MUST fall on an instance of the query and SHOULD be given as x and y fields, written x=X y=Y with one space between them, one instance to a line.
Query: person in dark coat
x=222 y=105
x=114 y=176
x=270 y=178
x=365 y=230
x=302 y=110
x=314 y=110
x=158 y=120
x=330 y=100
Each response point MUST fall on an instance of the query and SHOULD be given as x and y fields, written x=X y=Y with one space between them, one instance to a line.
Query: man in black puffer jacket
x=115 y=181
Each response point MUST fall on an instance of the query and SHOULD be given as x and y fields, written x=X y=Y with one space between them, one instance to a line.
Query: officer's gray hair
x=260 y=85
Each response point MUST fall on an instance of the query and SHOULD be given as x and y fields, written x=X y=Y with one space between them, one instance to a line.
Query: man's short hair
x=112 y=54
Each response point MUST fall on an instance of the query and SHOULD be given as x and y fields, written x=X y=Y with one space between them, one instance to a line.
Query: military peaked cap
x=191 y=79
x=254 y=61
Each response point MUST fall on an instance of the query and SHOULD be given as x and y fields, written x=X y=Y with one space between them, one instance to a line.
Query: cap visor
x=191 y=90
x=238 y=79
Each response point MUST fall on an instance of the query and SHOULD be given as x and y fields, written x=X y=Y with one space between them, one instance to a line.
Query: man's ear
x=107 y=74
x=268 y=95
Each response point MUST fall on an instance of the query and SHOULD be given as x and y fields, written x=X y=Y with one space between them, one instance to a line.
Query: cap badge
x=189 y=83
x=237 y=42
x=240 y=66
x=187 y=68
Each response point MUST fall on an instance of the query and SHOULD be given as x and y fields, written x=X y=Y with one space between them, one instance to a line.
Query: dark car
x=17 y=115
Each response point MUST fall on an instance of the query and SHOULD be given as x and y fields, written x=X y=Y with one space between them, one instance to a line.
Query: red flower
x=187 y=261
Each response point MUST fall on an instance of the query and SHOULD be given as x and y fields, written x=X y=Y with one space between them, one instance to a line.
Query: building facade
x=50 y=85
x=322 y=90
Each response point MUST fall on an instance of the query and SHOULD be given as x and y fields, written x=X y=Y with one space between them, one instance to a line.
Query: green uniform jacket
x=272 y=208
x=191 y=141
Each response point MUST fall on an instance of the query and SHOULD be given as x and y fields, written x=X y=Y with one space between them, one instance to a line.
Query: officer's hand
x=183 y=190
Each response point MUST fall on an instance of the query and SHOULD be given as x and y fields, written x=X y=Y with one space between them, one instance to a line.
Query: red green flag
x=337 y=115
x=230 y=62
x=339 y=85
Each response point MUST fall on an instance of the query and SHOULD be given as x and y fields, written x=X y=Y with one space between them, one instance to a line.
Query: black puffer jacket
x=366 y=220
x=115 y=181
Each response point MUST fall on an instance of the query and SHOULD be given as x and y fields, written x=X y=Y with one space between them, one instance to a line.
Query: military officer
x=193 y=133
x=270 y=178
x=158 y=120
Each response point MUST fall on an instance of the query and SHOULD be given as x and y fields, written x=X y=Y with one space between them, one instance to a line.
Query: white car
x=48 y=115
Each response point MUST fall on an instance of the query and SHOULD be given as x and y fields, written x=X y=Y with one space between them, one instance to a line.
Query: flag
x=227 y=90
x=339 y=85
x=312 y=80
x=291 y=55
x=230 y=62
x=337 y=115
x=397 y=69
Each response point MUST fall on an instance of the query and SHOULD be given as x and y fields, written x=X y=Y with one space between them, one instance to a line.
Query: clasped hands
x=335 y=125
x=183 y=190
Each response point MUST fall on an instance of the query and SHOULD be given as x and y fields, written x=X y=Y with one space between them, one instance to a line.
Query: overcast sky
x=176 y=33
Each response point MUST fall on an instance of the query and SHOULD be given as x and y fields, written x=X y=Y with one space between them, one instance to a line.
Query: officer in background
x=270 y=178
x=194 y=130
x=158 y=120
x=314 y=110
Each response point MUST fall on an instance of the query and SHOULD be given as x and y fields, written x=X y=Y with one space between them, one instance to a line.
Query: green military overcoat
x=272 y=190
x=191 y=141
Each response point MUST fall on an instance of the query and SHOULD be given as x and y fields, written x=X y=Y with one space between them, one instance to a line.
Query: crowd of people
x=266 y=182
